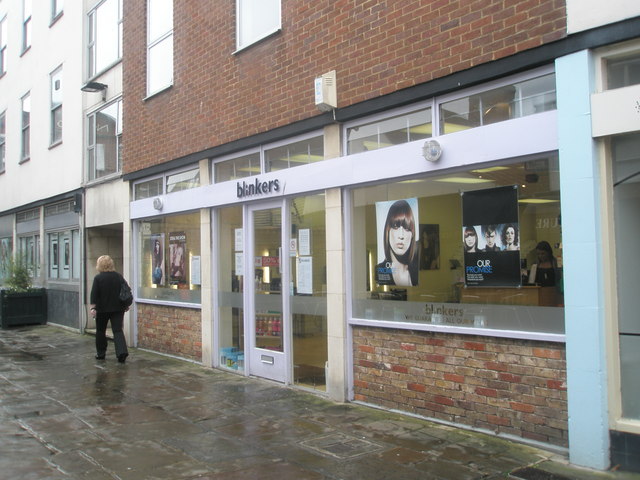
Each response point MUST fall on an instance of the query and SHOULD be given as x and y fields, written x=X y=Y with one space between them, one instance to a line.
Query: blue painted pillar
x=583 y=274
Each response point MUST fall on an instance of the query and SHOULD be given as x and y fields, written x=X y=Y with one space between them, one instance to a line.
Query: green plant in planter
x=19 y=279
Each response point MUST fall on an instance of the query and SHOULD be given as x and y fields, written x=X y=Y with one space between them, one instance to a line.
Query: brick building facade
x=269 y=213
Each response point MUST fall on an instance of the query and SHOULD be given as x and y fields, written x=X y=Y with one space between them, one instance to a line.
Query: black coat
x=105 y=292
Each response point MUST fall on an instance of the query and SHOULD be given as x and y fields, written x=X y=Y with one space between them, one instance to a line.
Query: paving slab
x=65 y=415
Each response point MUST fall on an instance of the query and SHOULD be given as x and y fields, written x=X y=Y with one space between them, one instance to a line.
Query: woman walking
x=106 y=306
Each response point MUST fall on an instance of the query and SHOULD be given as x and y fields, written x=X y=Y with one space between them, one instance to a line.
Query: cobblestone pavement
x=65 y=415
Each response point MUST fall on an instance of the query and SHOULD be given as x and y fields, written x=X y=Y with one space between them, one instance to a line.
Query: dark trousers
x=117 y=319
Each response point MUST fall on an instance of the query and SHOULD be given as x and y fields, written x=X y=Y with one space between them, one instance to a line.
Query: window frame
x=3 y=140
x=92 y=39
x=57 y=9
x=27 y=11
x=255 y=38
x=261 y=149
x=33 y=264
x=25 y=139
x=69 y=262
x=156 y=43
x=351 y=266
x=92 y=136
x=55 y=116
x=3 y=45
x=163 y=178
x=381 y=117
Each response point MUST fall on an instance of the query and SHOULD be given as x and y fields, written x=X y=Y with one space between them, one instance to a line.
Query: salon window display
x=397 y=251
x=486 y=238
x=168 y=259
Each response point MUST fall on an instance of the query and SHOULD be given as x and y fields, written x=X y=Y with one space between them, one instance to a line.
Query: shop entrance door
x=268 y=309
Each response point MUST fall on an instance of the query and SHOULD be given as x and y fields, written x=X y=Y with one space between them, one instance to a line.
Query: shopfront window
x=230 y=241
x=479 y=249
x=29 y=253
x=626 y=197
x=307 y=254
x=6 y=252
x=64 y=255
x=169 y=262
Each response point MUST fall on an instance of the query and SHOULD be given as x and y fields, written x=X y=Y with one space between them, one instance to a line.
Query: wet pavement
x=65 y=415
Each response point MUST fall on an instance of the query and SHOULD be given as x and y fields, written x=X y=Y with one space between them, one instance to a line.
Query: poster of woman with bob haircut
x=398 y=252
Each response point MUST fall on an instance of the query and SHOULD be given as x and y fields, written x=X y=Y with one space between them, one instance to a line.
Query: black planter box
x=24 y=308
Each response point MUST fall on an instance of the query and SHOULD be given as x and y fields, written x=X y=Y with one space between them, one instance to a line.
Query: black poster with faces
x=491 y=237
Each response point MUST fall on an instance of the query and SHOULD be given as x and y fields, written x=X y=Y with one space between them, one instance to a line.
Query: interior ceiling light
x=463 y=180
x=490 y=169
x=537 y=200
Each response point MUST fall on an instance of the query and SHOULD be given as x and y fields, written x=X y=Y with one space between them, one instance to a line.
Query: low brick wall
x=515 y=387
x=172 y=330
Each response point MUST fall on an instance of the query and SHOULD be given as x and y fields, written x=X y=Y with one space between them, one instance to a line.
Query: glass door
x=268 y=309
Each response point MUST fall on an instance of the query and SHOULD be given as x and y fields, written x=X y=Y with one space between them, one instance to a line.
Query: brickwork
x=376 y=47
x=508 y=386
x=176 y=331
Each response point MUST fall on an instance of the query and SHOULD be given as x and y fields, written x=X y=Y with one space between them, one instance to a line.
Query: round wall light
x=431 y=151
x=157 y=203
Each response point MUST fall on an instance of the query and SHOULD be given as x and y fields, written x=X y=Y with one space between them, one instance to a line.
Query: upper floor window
x=3 y=133
x=398 y=129
x=623 y=71
x=3 y=46
x=510 y=101
x=168 y=183
x=56 y=106
x=105 y=36
x=159 y=45
x=256 y=19
x=26 y=128
x=103 y=145
x=26 y=24
x=56 y=9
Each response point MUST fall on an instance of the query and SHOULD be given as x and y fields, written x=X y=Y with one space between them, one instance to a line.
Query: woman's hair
x=470 y=231
x=105 y=264
x=515 y=233
x=544 y=246
x=400 y=214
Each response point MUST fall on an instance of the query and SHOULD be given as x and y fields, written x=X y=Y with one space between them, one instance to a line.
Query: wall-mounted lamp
x=431 y=151
x=95 y=87
x=157 y=203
